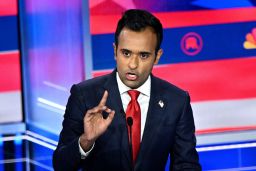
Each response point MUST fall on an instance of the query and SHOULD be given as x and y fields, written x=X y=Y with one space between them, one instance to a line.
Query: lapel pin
x=161 y=103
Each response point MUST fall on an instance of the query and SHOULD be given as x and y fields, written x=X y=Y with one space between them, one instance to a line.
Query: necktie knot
x=134 y=94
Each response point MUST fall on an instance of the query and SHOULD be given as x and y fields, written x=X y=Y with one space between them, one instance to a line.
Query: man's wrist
x=82 y=152
x=85 y=144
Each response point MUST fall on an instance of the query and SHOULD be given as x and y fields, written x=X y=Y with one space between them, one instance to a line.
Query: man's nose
x=134 y=62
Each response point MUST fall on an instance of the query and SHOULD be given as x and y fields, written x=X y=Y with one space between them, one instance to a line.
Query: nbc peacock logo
x=250 y=42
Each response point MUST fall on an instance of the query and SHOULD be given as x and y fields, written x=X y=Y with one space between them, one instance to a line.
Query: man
x=129 y=119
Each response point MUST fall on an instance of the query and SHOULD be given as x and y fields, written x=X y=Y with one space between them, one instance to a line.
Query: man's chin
x=132 y=84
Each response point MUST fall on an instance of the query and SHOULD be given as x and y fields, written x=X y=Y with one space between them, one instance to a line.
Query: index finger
x=104 y=98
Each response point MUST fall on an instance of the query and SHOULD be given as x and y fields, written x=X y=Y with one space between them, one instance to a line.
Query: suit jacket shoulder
x=169 y=91
x=91 y=90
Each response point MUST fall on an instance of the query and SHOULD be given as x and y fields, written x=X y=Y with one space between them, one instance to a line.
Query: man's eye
x=144 y=55
x=127 y=54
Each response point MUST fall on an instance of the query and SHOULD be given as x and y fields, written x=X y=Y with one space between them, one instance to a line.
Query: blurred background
x=46 y=46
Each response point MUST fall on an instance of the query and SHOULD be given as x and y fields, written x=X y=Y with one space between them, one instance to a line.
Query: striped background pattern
x=220 y=78
x=10 y=71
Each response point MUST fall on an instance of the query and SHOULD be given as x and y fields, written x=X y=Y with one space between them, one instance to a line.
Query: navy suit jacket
x=169 y=130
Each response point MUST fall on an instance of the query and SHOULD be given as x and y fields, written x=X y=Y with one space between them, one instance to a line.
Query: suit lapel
x=155 y=116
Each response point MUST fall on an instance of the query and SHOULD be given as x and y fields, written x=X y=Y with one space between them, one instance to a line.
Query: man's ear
x=158 y=56
x=115 y=49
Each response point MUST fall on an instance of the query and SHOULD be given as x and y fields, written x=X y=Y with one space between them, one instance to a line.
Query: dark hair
x=138 y=20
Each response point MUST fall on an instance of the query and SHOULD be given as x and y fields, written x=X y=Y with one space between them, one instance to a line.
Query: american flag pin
x=161 y=103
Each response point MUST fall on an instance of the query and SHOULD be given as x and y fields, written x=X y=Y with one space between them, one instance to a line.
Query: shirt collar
x=144 y=88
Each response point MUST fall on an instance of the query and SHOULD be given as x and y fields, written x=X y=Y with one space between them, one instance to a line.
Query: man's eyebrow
x=141 y=52
x=127 y=50
x=144 y=52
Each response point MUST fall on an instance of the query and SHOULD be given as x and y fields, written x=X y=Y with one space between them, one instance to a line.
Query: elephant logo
x=191 y=43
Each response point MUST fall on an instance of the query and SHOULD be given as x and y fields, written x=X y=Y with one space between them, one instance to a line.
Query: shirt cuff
x=84 y=154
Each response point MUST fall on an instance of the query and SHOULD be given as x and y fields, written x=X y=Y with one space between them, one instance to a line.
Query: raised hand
x=94 y=123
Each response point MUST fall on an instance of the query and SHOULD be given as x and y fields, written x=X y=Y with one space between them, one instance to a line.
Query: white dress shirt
x=143 y=98
x=143 y=101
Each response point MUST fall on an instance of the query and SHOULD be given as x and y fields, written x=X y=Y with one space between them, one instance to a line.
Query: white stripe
x=225 y=147
x=50 y=103
x=12 y=138
x=10 y=110
x=226 y=138
x=17 y=160
x=29 y=138
x=238 y=168
x=224 y=113
x=56 y=86
x=41 y=137
x=51 y=108
x=9 y=52
x=40 y=165
x=13 y=160
x=42 y=143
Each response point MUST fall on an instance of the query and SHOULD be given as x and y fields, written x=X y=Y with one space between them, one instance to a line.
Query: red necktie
x=133 y=110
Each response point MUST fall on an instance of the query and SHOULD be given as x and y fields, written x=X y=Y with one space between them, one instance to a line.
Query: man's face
x=135 y=56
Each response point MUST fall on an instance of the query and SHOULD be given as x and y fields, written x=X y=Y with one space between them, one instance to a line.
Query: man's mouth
x=131 y=76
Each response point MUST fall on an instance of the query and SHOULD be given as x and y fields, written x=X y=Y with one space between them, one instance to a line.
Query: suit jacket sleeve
x=67 y=155
x=184 y=155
